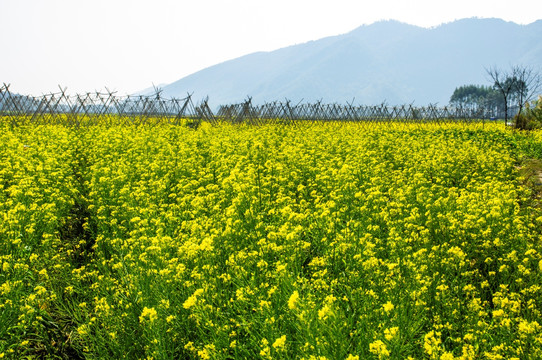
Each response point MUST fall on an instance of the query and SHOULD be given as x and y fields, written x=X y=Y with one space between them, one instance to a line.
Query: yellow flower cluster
x=148 y=314
x=313 y=241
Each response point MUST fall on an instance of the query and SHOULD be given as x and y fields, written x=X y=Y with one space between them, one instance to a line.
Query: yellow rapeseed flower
x=388 y=307
x=280 y=343
x=379 y=349
x=292 y=301
x=148 y=314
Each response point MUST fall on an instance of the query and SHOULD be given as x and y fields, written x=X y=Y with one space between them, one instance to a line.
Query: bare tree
x=504 y=84
x=528 y=83
x=519 y=85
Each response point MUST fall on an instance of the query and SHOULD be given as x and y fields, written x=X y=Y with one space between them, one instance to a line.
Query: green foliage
x=476 y=96
x=531 y=116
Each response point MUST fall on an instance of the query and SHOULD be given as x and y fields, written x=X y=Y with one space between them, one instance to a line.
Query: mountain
x=387 y=61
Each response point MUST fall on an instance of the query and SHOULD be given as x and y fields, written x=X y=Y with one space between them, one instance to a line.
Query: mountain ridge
x=387 y=61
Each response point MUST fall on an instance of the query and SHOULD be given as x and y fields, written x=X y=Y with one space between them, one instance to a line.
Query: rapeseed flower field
x=309 y=241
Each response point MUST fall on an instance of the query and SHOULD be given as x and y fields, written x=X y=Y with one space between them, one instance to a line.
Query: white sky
x=127 y=45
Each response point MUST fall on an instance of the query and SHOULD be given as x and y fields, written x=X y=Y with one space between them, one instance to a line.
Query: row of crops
x=320 y=241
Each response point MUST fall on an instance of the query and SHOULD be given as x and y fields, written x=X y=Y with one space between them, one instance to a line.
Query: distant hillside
x=386 y=61
x=9 y=100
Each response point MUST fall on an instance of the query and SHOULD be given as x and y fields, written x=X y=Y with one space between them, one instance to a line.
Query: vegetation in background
x=519 y=86
x=477 y=96
x=514 y=88
x=531 y=116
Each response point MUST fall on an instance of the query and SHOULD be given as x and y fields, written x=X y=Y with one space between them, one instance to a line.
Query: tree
x=518 y=85
x=477 y=97
x=528 y=84
x=466 y=96
x=493 y=101
x=504 y=84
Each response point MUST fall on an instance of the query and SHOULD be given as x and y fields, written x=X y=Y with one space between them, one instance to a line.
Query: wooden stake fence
x=107 y=108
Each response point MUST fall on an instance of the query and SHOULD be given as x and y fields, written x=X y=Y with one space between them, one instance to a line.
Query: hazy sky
x=127 y=45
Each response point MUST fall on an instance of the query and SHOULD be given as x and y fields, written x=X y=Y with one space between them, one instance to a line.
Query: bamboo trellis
x=107 y=107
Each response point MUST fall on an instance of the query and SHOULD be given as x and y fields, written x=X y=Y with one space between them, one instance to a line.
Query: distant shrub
x=531 y=116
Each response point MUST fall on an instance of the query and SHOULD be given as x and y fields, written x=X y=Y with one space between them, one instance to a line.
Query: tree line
x=513 y=88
